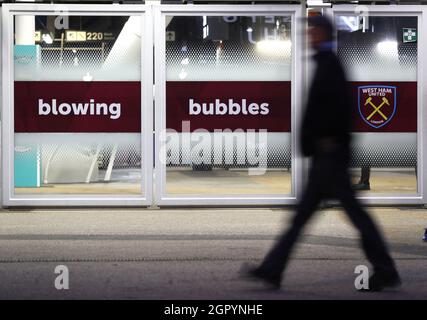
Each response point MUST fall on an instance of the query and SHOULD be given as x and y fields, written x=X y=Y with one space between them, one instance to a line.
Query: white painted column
x=24 y=30
x=25 y=27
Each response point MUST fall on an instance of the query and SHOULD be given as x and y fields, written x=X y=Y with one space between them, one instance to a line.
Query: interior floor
x=183 y=181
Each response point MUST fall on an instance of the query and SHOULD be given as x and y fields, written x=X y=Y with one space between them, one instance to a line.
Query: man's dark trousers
x=329 y=178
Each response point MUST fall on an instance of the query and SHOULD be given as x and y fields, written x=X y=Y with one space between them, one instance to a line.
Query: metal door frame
x=154 y=21
x=9 y=198
x=160 y=97
x=420 y=12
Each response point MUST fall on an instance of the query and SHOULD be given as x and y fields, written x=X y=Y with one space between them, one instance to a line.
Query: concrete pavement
x=195 y=253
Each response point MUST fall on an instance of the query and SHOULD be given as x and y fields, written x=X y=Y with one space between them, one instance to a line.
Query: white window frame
x=296 y=12
x=420 y=12
x=9 y=198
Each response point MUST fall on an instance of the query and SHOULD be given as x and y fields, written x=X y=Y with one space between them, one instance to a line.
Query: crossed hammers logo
x=377 y=109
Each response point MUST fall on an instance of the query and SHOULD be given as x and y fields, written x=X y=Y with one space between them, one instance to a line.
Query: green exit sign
x=409 y=35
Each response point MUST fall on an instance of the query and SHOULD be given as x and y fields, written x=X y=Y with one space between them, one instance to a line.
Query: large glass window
x=228 y=105
x=380 y=55
x=77 y=105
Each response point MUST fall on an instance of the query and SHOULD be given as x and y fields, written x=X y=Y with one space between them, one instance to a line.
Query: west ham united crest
x=377 y=104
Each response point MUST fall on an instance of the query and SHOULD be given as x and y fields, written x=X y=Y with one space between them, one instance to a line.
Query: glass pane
x=228 y=105
x=77 y=112
x=380 y=54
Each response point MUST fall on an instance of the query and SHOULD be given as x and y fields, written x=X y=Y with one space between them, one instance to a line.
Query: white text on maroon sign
x=230 y=108
x=88 y=108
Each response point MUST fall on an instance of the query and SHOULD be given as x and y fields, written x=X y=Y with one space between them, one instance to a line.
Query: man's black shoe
x=381 y=280
x=254 y=273
x=361 y=186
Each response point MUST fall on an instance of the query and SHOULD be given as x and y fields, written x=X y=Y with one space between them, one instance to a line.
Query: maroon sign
x=74 y=106
x=231 y=105
x=385 y=106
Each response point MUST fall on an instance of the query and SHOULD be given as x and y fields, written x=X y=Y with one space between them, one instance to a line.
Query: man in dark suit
x=326 y=139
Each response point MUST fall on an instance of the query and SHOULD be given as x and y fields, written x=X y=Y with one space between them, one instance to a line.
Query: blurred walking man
x=326 y=139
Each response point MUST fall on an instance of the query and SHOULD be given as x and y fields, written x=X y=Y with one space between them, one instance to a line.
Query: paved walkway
x=195 y=253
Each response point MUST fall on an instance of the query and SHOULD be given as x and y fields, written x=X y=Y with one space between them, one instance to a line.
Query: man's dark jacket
x=328 y=111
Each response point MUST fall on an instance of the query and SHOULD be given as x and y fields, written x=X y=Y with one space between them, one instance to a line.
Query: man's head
x=320 y=31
